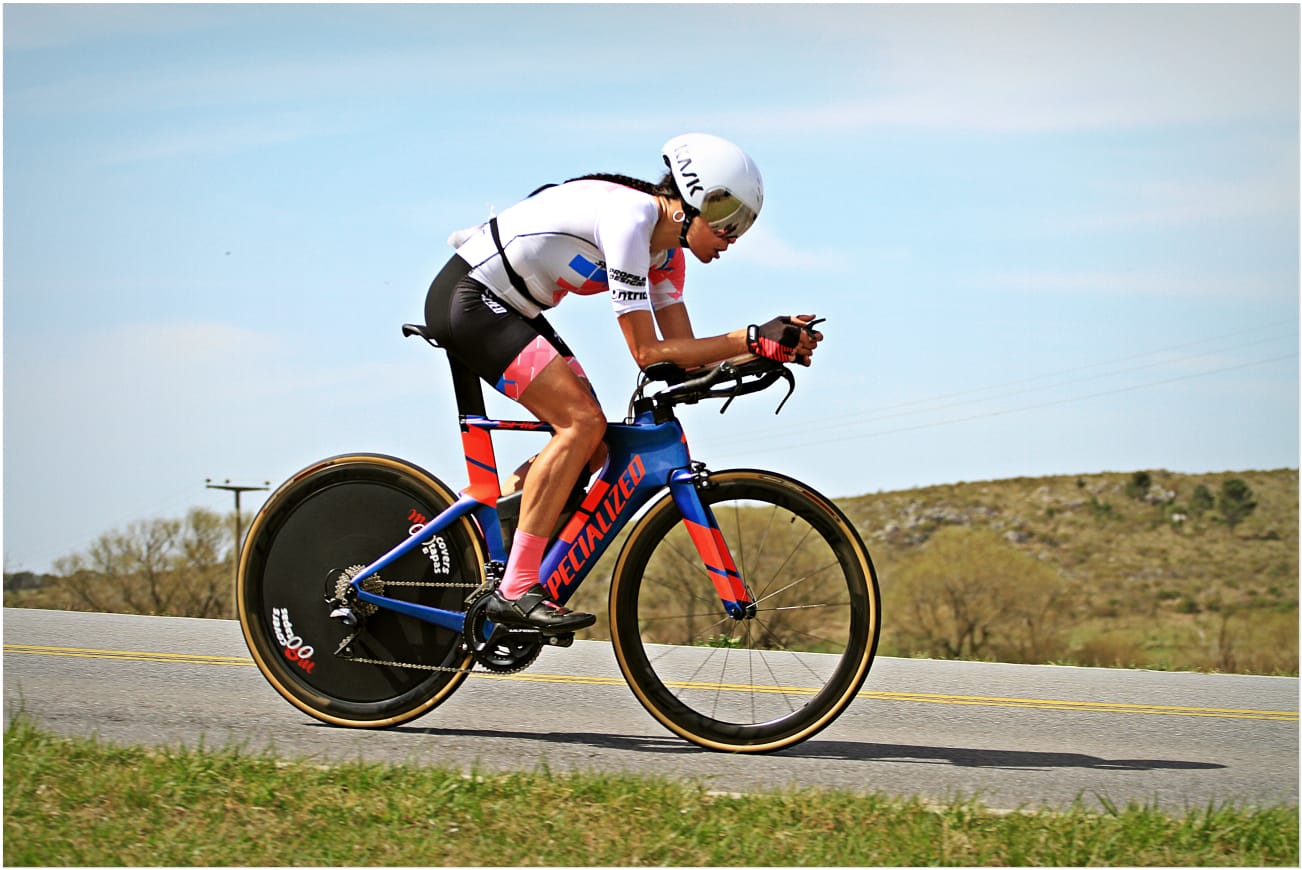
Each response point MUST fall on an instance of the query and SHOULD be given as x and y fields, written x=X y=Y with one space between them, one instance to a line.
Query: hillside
x=1155 y=575
x=1116 y=570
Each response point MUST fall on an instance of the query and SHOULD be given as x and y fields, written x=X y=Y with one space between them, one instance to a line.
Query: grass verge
x=79 y=802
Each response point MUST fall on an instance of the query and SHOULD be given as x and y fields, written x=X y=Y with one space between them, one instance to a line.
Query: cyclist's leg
x=525 y=360
x=556 y=396
x=515 y=481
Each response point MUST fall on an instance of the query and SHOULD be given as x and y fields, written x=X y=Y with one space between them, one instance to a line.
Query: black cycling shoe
x=535 y=610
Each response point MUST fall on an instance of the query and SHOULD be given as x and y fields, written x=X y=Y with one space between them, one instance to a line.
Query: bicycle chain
x=415 y=665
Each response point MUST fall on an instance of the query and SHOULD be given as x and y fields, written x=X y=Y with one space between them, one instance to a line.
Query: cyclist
x=597 y=234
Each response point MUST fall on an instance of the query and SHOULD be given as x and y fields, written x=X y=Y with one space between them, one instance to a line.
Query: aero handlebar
x=727 y=380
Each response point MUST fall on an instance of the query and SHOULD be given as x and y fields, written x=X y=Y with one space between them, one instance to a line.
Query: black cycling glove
x=775 y=340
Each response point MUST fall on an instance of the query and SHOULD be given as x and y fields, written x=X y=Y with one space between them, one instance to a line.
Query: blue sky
x=1047 y=239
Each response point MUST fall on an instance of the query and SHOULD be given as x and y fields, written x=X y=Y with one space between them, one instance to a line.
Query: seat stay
x=445 y=618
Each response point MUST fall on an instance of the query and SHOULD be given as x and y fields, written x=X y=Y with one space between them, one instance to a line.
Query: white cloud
x=49 y=25
x=1163 y=203
x=762 y=246
x=129 y=420
x=212 y=138
x=1137 y=282
x=1039 y=69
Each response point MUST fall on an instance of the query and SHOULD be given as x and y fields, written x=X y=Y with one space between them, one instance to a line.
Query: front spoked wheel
x=754 y=684
x=310 y=539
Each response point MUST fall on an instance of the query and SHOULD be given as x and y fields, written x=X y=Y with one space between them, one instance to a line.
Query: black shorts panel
x=483 y=332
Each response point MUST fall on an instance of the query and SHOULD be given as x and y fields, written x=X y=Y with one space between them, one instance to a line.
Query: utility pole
x=235 y=488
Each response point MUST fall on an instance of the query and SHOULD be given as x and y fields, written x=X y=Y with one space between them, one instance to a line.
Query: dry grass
x=1153 y=583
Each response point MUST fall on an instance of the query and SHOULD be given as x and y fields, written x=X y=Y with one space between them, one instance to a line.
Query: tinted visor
x=726 y=213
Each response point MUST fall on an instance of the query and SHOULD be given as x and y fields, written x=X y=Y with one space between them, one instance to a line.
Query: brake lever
x=791 y=385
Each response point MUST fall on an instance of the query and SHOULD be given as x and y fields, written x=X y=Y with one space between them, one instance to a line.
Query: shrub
x=1235 y=502
x=968 y=594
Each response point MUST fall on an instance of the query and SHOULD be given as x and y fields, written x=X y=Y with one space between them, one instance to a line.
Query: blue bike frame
x=644 y=458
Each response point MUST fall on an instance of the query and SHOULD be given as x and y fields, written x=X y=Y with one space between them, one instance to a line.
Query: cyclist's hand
x=785 y=339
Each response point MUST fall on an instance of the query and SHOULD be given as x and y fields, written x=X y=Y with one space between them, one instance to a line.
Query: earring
x=679 y=216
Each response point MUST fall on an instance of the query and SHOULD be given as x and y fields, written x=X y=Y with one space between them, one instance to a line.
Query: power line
x=968 y=397
x=864 y=435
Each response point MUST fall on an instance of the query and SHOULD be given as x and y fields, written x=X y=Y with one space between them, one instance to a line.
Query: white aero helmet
x=716 y=180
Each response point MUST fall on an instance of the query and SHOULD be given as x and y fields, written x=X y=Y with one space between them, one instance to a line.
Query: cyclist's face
x=706 y=242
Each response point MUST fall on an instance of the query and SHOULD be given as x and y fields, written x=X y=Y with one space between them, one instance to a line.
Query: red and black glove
x=775 y=340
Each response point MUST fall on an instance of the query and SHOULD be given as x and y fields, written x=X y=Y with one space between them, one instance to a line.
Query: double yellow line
x=912 y=697
x=127 y=655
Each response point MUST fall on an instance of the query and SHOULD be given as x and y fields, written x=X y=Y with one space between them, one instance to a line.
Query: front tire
x=747 y=685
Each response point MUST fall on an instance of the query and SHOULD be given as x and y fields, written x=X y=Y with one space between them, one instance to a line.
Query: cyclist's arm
x=673 y=322
x=647 y=347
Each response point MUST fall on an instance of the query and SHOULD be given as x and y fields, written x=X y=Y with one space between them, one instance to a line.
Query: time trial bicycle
x=743 y=606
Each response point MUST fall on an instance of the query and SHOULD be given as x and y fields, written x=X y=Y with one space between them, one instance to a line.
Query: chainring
x=508 y=650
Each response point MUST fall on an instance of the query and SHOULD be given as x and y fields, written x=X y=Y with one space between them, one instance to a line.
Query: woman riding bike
x=598 y=234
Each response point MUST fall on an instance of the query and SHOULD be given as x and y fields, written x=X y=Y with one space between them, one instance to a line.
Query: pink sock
x=522 y=568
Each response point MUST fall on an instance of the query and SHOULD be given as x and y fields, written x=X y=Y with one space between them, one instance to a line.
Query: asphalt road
x=1010 y=735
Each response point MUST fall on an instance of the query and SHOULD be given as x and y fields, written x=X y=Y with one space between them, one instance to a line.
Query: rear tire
x=748 y=685
x=344 y=513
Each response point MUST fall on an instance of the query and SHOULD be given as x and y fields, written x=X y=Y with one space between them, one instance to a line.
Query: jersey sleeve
x=624 y=237
x=667 y=277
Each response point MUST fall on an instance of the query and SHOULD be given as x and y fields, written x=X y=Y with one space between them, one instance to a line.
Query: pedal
x=561 y=640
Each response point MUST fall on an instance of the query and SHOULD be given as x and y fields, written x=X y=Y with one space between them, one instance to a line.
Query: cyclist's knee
x=587 y=426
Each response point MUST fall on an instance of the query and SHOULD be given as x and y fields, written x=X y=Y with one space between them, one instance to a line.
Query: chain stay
x=344 y=644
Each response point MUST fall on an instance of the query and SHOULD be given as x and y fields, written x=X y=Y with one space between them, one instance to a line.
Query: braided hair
x=664 y=187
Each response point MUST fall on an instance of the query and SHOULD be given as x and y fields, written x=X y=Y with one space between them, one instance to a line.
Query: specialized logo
x=689 y=176
x=598 y=514
x=294 y=647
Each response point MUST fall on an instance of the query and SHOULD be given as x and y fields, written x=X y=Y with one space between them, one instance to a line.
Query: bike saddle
x=410 y=329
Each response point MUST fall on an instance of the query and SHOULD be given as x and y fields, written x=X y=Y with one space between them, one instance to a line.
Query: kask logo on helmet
x=690 y=178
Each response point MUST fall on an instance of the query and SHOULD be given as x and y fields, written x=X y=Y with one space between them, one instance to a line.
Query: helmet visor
x=726 y=213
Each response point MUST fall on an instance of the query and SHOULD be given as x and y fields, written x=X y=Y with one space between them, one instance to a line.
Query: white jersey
x=584 y=237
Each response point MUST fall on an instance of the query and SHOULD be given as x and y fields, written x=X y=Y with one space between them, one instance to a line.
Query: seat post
x=477 y=441
x=468 y=389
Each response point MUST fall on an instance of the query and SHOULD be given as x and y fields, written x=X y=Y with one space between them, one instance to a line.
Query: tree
x=969 y=594
x=164 y=567
x=1235 y=502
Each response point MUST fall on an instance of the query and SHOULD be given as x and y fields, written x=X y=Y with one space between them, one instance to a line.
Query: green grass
x=83 y=802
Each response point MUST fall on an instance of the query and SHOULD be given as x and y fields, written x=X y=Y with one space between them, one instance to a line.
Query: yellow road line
x=128 y=655
x=1087 y=706
x=910 y=697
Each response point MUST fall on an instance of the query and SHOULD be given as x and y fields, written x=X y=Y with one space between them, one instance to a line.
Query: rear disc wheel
x=326 y=524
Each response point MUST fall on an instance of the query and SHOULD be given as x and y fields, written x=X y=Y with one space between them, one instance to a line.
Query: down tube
x=643 y=457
